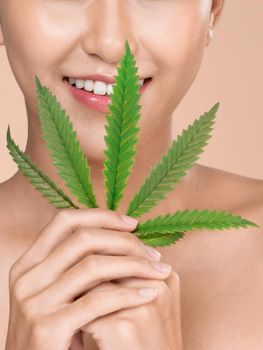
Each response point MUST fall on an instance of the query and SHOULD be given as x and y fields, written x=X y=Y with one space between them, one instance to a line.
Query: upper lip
x=105 y=78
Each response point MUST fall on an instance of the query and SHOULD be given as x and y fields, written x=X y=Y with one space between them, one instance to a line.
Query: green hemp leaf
x=121 y=130
x=64 y=146
x=121 y=139
x=173 y=165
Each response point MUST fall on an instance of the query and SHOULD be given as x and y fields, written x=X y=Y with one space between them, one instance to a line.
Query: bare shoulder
x=13 y=241
x=9 y=223
x=9 y=253
x=223 y=189
x=221 y=271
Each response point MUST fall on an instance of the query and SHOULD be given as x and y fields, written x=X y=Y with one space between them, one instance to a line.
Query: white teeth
x=109 y=89
x=98 y=87
x=79 y=83
x=72 y=81
x=88 y=85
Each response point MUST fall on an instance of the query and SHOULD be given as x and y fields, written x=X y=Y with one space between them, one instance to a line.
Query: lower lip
x=93 y=101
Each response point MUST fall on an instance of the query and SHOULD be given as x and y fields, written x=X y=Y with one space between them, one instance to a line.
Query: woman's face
x=54 y=39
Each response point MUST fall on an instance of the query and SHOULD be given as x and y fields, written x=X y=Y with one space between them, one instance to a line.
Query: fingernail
x=129 y=220
x=161 y=267
x=153 y=253
x=147 y=292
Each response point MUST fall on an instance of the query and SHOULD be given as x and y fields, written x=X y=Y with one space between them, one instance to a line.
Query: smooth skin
x=82 y=250
x=214 y=292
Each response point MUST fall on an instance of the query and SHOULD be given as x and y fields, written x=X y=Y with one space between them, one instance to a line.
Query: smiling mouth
x=66 y=79
x=97 y=101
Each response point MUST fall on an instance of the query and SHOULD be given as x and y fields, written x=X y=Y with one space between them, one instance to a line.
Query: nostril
x=147 y=80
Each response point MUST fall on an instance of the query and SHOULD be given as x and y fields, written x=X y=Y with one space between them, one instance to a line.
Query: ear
x=216 y=12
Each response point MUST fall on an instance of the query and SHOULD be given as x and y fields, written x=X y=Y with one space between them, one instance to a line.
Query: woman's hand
x=51 y=286
x=153 y=326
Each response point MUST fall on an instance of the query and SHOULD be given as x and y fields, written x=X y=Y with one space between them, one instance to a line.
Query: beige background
x=231 y=73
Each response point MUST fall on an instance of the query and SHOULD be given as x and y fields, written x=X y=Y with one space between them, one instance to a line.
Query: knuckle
x=40 y=330
x=18 y=290
x=125 y=325
x=84 y=234
x=92 y=262
x=29 y=309
x=145 y=312
x=64 y=214
x=92 y=302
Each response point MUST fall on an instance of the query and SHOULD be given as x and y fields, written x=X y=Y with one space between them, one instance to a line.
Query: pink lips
x=93 y=101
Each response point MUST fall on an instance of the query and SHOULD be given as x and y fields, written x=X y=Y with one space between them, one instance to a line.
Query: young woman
x=70 y=279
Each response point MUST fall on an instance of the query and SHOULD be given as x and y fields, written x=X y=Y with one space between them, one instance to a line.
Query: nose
x=108 y=27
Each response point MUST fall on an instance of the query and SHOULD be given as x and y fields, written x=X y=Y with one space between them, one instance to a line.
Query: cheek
x=177 y=44
x=180 y=44
x=38 y=34
x=182 y=37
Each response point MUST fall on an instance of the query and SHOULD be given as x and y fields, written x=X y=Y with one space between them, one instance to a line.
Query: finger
x=96 y=304
x=126 y=313
x=61 y=226
x=172 y=281
x=93 y=270
x=80 y=244
x=136 y=281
